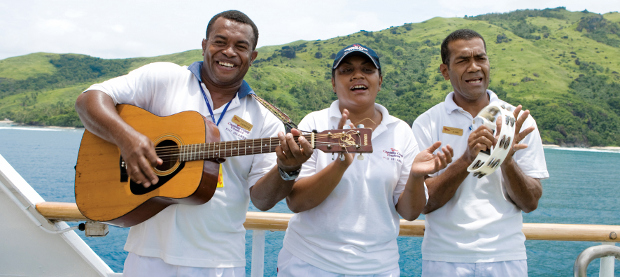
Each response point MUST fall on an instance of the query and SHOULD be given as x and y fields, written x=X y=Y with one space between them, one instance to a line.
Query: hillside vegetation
x=563 y=66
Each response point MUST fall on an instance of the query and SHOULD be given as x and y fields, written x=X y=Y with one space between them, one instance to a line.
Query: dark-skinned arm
x=98 y=114
x=442 y=188
x=412 y=200
x=523 y=190
x=311 y=191
x=271 y=188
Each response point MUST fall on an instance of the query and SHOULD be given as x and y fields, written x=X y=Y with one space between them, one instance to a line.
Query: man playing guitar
x=207 y=239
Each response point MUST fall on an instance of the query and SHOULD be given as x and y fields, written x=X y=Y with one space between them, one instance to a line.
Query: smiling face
x=356 y=82
x=468 y=70
x=228 y=53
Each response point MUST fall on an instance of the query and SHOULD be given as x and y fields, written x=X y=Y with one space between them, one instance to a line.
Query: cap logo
x=356 y=47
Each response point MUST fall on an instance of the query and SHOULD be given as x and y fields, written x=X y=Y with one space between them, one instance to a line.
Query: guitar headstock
x=344 y=141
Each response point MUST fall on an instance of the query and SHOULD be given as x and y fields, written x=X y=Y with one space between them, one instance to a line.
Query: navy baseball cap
x=356 y=48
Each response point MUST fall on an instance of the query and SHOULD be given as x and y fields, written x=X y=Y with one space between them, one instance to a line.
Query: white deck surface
x=26 y=249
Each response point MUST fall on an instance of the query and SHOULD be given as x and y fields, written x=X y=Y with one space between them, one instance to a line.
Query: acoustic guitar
x=192 y=152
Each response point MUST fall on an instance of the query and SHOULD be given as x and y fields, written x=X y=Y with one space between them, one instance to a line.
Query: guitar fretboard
x=213 y=150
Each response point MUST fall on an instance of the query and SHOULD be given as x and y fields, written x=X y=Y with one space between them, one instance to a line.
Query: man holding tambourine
x=473 y=215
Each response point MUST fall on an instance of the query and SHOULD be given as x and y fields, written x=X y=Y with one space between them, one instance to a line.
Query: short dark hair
x=465 y=34
x=236 y=16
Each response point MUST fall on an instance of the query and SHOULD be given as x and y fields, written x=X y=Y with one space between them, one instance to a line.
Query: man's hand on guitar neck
x=291 y=154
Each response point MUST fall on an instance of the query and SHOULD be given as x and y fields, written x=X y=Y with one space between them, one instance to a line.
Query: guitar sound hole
x=168 y=151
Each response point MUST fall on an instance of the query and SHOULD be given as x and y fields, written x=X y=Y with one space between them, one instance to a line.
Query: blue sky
x=124 y=29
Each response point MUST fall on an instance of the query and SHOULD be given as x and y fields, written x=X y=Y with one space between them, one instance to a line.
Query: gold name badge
x=220 y=178
x=242 y=123
x=452 y=131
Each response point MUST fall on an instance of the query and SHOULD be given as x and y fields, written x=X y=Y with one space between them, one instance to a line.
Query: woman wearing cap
x=347 y=210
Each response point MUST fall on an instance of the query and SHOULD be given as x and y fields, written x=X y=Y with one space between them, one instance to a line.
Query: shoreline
x=605 y=148
x=10 y=123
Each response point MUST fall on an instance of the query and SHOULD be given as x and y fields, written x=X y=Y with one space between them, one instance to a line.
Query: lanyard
x=209 y=106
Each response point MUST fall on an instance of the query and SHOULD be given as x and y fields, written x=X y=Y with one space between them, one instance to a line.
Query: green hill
x=563 y=66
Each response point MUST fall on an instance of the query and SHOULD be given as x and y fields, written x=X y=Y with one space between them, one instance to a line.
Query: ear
x=204 y=46
x=333 y=85
x=380 y=81
x=254 y=55
x=444 y=71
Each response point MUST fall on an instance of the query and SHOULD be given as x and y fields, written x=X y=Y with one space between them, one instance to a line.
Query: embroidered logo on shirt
x=452 y=131
x=238 y=131
x=393 y=155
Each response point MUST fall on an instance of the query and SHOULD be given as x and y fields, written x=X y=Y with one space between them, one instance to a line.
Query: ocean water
x=584 y=188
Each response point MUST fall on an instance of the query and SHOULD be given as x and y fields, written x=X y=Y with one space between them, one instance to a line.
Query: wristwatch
x=289 y=176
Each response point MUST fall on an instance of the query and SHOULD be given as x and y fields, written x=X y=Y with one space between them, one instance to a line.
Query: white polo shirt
x=480 y=223
x=354 y=230
x=212 y=234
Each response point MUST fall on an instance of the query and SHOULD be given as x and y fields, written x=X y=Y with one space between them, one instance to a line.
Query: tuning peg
x=360 y=157
x=347 y=125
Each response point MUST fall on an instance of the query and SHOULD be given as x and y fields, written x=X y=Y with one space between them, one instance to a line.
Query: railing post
x=591 y=253
x=258 y=253
x=607 y=264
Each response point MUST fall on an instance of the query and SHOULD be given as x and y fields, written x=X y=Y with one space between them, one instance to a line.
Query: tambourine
x=489 y=160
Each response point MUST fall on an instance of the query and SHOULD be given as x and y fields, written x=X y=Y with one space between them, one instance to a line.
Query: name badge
x=242 y=123
x=452 y=131
x=220 y=178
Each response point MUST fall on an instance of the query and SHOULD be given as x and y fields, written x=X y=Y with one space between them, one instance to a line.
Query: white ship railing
x=260 y=222
x=604 y=251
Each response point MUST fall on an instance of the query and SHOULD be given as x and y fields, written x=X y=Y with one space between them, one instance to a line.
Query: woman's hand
x=345 y=158
x=426 y=163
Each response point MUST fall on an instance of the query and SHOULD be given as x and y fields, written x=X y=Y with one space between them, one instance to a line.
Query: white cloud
x=74 y=13
x=118 y=28
x=56 y=27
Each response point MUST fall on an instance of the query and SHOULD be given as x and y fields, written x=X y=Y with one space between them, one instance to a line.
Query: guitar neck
x=223 y=149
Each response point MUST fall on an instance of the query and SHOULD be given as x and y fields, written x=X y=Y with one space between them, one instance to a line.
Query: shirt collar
x=244 y=90
x=451 y=106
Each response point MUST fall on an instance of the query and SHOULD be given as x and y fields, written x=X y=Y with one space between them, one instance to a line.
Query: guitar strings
x=257 y=143
x=260 y=141
x=195 y=150
x=254 y=141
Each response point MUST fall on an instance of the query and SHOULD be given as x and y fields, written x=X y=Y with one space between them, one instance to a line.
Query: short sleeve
x=410 y=151
x=139 y=85
x=263 y=163
x=531 y=160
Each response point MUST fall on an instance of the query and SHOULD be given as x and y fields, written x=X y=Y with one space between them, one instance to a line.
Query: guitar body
x=104 y=192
